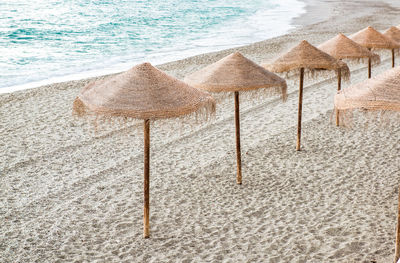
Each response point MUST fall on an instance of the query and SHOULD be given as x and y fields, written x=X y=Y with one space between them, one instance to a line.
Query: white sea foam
x=32 y=65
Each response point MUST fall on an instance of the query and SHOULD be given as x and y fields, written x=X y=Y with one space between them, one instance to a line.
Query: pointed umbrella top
x=235 y=73
x=309 y=57
x=379 y=93
x=393 y=33
x=143 y=92
x=370 y=38
x=342 y=47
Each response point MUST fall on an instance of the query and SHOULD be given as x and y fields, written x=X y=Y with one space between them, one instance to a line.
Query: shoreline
x=159 y=60
x=75 y=195
x=315 y=13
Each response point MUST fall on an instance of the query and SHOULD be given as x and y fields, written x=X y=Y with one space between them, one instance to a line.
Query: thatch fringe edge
x=255 y=94
x=204 y=113
x=380 y=118
x=316 y=73
x=375 y=60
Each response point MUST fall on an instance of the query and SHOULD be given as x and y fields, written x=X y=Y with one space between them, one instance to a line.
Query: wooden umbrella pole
x=300 y=109
x=392 y=58
x=339 y=87
x=146 y=223
x=369 y=68
x=397 y=248
x=238 y=154
x=369 y=65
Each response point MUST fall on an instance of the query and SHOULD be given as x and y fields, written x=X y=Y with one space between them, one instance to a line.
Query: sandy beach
x=69 y=194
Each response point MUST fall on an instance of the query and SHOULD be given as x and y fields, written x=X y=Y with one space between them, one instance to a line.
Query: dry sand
x=71 y=195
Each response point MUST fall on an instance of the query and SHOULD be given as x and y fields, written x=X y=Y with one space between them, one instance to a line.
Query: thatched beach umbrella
x=236 y=73
x=146 y=93
x=372 y=39
x=394 y=34
x=342 y=47
x=306 y=57
x=381 y=93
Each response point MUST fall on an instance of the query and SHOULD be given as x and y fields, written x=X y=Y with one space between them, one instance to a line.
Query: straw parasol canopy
x=308 y=57
x=381 y=93
x=233 y=73
x=372 y=39
x=303 y=57
x=236 y=73
x=143 y=92
x=394 y=34
x=342 y=47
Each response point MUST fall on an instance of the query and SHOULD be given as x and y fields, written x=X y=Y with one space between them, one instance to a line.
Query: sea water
x=46 y=41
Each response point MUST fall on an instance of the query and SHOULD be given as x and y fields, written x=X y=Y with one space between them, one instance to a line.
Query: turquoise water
x=44 y=41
